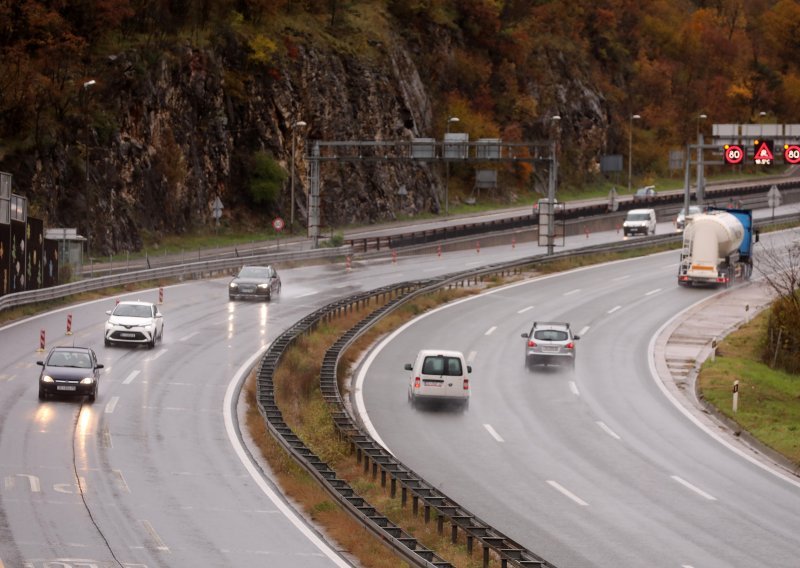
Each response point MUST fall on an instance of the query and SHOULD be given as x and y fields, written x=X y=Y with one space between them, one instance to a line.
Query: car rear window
x=550 y=335
x=441 y=365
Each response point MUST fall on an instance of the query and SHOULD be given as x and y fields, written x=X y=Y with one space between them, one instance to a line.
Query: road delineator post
x=69 y=324
x=513 y=242
x=160 y=295
x=394 y=257
x=478 y=247
x=347 y=263
x=586 y=230
x=41 y=341
x=439 y=250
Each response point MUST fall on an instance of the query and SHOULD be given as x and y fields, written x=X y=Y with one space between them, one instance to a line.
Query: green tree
x=266 y=179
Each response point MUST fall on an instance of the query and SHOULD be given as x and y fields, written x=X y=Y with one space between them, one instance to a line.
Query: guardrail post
x=393 y=487
x=383 y=478
x=427 y=509
x=366 y=462
x=374 y=469
x=454 y=533
x=485 y=557
x=415 y=504
x=470 y=541
x=440 y=525
x=403 y=496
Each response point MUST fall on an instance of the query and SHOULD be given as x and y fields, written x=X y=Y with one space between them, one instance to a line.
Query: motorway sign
x=734 y=154
x=791 y=153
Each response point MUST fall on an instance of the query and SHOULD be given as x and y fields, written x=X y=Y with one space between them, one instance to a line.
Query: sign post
x=278 y=225
x=774 y=199
x=735 y=397
x=217 y=208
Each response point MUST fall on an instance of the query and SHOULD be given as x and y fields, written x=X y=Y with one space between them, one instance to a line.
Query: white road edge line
x=494 y=433
x=130 y=378
x=696 y=421
x=154 y=536
x=573 y=386
x=490 y=331
x=523 y=310
x=188 y=337
x=651 y=292
x=608 y=430
x=112 y=404
x=584 y=330
x=571 y=292
x=558 y=487
x=614 y=309
x=255 y=474
x=693 y=488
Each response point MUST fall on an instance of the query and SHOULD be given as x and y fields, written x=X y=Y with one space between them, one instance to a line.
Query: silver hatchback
x=550 y=343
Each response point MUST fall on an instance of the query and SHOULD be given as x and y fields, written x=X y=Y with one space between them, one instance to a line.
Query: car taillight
x=531 y=343
x=570 y=345
x=466 y=384
x=416 y=383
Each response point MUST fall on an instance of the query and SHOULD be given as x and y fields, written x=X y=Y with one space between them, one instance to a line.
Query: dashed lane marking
x=130 y=378
x=693 y=488
x=573 y=386
x=490 y=331
x=614 y=309
x=608 y=430
x=561 y=489
x=523 y=310
x=112 y=404
x=493 y=433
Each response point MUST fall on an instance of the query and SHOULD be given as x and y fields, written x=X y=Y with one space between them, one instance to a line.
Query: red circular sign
x=791 y=154
x=733 y=154
x=278 y=224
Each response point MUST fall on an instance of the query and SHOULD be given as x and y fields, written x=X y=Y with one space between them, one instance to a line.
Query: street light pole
x=701 y=190
x=551 y=189
x=447 y=165
x=86 y=85
x=630 y=148
x=295 y=126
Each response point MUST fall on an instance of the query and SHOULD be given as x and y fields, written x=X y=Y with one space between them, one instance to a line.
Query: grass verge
x=769 y=399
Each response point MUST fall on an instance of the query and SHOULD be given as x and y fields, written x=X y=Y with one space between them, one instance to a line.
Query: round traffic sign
x=278 y=224
x=791 y=153
x=733 y=154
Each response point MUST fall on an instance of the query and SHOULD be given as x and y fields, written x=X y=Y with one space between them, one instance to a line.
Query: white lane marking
x=7 y=378
x=614 y=309
x=620 y=278
x=112 y=404
x=571 y=292
x=558 y=487
x=309 y=294
x=121 y=481
x=157 y=355
x=682 y=566
x=608 y=430
x=693 y=488
x=651 y=292
x=154 y=536
x=490 y=331
x=188 y=337
x=471 y=357
x=584 y=330
x=523 y=310
x=494 y=434
x=573 y=386
x=479 y=263
x=232 y=393
x=130 y=378
x=651 y=349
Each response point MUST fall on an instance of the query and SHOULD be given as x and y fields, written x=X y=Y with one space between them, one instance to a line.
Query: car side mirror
x=576 y=337
x=525 y=335
x=108 y=312
x=758 y=235
x=40 y=363
x=158 y=314
x=409 y=367
x=469 y=368
x=99 y=366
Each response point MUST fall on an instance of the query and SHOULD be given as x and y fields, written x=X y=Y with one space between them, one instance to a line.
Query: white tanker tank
x=717 y=247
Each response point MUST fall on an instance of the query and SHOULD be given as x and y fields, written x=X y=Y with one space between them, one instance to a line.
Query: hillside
x=194 y=100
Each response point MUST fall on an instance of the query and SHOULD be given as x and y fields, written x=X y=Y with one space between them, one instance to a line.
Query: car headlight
x=263 y=286
x=47 y=379
x=233 y=285
x=87 y=381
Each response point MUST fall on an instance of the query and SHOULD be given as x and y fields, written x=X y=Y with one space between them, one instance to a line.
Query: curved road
x=591 y=468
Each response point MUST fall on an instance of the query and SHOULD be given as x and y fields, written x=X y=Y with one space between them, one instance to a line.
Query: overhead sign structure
x=764 y=155
x=734 y=154
x=791 y=153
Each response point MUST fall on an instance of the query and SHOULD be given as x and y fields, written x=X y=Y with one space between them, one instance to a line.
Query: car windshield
x=70 y=359
x=638 y=217
x=550 y=335
x=442 y=365
x=255 y=272
x=133 y=311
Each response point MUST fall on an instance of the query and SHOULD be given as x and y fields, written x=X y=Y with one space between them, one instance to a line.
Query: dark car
x=259 y=282
x=70 y=371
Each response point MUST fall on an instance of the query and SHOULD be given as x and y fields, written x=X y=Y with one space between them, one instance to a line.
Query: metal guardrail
x=185 y=271
x=367 y=449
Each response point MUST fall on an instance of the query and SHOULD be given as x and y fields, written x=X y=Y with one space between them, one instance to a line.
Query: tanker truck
x=717 y=247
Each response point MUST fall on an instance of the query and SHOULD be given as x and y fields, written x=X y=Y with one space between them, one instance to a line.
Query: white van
x=439 y=375
x=640 y=222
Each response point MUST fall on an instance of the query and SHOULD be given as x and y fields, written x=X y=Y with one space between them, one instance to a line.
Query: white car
x=134 y=322
x=640 y=222
x=439 y=375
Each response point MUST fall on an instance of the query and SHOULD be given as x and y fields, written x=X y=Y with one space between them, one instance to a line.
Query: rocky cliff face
x=159 y=137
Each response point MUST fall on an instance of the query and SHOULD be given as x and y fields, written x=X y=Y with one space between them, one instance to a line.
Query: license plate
x=125 y=334
x=550 y=349
x=66 y=387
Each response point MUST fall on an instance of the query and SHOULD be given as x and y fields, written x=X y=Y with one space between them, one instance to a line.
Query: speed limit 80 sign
x=791 y=153
x=734 y=154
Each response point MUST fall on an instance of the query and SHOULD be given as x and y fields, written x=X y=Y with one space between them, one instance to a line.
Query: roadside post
x=735 y=396
x=278 y=225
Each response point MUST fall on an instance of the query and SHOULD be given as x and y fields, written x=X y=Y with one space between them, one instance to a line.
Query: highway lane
x=591 y=468
x=161 y=482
